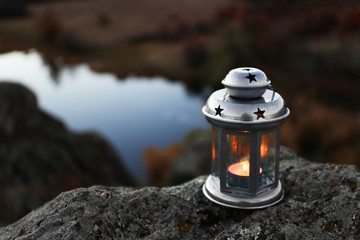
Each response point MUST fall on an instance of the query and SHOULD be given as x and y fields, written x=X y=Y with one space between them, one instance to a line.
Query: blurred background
x=110 y=92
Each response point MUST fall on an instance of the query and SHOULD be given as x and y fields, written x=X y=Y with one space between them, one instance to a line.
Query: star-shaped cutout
x=218 y=110
x=246 y=69
x=259 y=114
x=251 y=77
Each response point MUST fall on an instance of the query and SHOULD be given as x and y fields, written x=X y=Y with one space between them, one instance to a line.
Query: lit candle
x=241 y=168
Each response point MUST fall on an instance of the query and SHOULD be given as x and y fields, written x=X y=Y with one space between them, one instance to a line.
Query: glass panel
x=268 y=158
x=238 y=161
x=215 y=167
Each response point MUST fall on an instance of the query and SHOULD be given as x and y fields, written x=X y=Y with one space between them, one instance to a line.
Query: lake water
x=131 y=113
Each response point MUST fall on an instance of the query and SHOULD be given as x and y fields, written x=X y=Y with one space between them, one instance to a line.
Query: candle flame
x=246 y=166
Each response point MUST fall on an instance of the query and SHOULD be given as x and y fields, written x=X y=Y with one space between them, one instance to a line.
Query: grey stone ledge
x=322 y=201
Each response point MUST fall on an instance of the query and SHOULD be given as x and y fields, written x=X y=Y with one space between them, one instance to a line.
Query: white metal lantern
x=246 y=118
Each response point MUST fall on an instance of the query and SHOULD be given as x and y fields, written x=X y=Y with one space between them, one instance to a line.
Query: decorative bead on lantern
x=246 y=118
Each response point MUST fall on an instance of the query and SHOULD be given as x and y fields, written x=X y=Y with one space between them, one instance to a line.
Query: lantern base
x=211 y=190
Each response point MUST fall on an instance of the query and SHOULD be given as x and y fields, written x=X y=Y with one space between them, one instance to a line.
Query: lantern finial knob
x=246 y=82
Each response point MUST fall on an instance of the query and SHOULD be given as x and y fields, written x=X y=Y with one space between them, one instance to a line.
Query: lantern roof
x=244 y=103
x=246 y=77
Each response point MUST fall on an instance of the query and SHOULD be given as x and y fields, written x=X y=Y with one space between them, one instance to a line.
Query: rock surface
x=321 y=202
x=40 y=158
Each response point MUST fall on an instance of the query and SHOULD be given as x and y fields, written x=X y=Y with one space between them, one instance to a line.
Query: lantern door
x=237 y=165
x=268 y=155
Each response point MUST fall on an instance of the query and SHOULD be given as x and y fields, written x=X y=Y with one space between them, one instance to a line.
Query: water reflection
x=132 y=114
